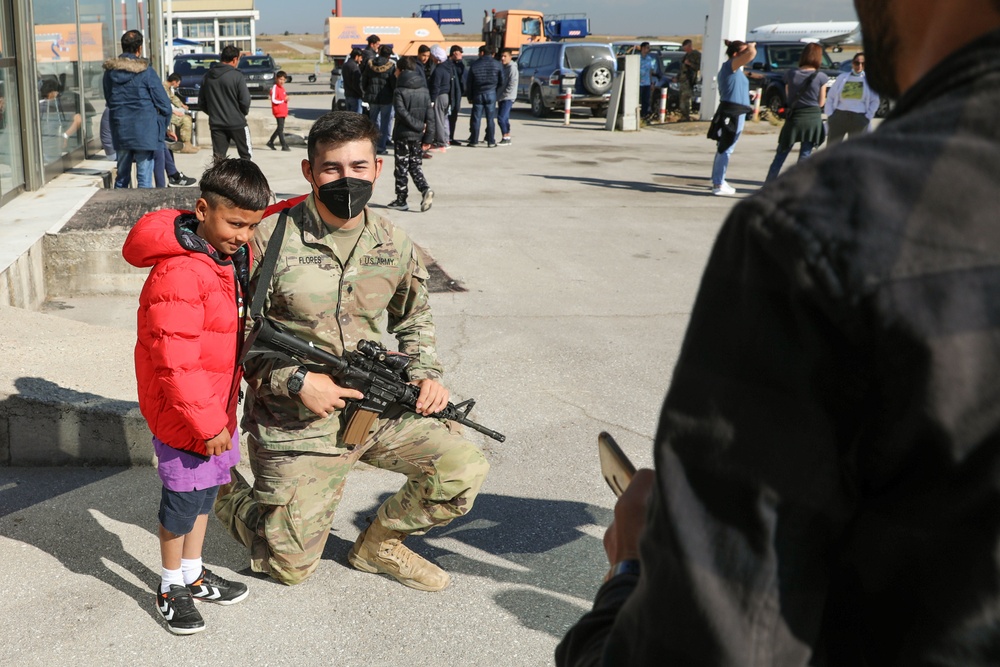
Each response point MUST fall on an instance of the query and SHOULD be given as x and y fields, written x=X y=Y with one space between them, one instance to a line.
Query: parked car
x=631 y=46
x=192 y=68
x=259 y=72
x=588 y=69
x=670 y=69
x=773 y=60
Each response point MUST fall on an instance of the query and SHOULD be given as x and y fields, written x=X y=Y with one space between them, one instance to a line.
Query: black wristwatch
x=296 y=381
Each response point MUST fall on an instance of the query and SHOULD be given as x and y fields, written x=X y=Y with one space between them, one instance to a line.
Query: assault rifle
x=374 y=371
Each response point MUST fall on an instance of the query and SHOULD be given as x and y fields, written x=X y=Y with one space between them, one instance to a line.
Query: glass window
x=527 y=59
x=60 y=107
x=579 y=56
x=234 y=27
x=199 y=29
x=11 y=165
x=532 y=27
x=6 y=30
x=98 y=42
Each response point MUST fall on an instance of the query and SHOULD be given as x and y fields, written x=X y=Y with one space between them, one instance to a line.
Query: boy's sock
x=191 y=569
x=168 y=577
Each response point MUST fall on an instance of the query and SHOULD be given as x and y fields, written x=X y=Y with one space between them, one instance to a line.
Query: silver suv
x=585 y=69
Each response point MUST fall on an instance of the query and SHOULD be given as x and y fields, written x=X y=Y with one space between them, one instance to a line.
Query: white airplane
x=829 y=33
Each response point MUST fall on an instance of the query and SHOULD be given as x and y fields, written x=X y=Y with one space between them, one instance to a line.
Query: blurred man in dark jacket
x=483 y=87
x=440 y=88
x=225 y=98
x=351 y=72
x=412 y=134
x=378 y=81
x=456 y=91
x=425 y=63
x=827 y=476
x=138 y=110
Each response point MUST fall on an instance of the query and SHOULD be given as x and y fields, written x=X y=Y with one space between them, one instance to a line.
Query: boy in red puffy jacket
x=279 y=107
x=192 y=311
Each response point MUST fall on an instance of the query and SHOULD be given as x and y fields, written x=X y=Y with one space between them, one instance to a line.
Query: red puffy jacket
x=189 y=330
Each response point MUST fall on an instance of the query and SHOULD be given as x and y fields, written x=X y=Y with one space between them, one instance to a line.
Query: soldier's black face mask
x=346 y=197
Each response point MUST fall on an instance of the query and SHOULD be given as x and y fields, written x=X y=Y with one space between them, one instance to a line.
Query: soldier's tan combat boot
x=189 y=148
x=379 y=549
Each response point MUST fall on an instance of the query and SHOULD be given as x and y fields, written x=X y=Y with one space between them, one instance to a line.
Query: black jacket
x=485 y=76
x=428 y=69
x=440 y=83
x=378 y=79
x=224 y=97
x=827 y=456
x=412 y=101
x=351 y=72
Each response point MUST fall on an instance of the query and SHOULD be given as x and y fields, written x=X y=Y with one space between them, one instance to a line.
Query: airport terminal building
x=51 y=57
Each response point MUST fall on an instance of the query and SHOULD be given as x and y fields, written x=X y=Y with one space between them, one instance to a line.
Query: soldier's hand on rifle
x=433 y=397
x=322 y=395
x=222 y=442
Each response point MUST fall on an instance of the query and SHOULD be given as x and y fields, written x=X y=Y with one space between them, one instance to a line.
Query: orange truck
x=404 y=35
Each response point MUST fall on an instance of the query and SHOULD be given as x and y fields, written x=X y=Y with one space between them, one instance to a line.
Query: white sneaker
x=724 y=189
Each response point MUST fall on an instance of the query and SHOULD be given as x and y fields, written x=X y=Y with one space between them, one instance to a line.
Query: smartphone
x=615 y=466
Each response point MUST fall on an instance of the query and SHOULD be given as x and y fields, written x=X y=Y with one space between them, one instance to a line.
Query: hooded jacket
x=224 y=97
x=189 y=329
x=412 y=102
x=378 y=80
x=138 y=107
x=441 y=79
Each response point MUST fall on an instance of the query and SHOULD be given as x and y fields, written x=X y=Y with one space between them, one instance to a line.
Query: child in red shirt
x=279 y=107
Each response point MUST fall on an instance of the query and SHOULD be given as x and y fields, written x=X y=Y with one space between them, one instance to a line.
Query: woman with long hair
x=805 y=95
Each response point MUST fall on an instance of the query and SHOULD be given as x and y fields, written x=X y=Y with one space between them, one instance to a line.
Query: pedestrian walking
x=508 y=95
x=378 y=81
x=279 y=109
x=850 y=103
x=805 y=95
x=225 y=98
x=412 y=134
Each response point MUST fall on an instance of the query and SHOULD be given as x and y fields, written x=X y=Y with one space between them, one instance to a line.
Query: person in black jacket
x=826 y=488
x=425 y=62
x=225 y=98
x=483 y=87
x=412 y=134
x=440 y=88
x=378 y=82
x=456 y=91
x=351 y=72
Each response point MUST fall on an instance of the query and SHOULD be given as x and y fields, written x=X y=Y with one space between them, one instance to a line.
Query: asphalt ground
x=580 y=251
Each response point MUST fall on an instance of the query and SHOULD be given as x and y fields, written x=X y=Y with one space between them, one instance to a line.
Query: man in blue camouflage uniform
x=341 y=268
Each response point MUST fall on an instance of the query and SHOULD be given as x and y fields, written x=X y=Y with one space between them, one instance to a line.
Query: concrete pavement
x=581 y=251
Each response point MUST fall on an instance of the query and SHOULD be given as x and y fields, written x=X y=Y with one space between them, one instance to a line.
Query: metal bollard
x=755 y=94
x=663 y=104
x=567 y=101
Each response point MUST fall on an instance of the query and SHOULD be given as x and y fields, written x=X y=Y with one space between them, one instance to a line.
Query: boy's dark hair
x=340 y=127
x=507 y=50
x=491 y=51
x=48 y=86
x=235 y=183
x=355 y=53
x=405 y=64
x=687 y=42
x=482 y=51
x=643 y=44
x=229 y=53
x=174 y=77
x=385 y=51
x=280 y=73
x=455 y=48
x=423 y=49
x=373 y=39
x=131 y=41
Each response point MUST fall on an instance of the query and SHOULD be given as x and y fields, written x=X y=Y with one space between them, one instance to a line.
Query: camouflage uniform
x=182 y=124
x=298 y=458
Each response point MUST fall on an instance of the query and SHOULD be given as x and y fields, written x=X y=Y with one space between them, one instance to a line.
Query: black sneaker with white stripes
x=177 y=608
x=210 y=587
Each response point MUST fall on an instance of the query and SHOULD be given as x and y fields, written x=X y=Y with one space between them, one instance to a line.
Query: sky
x=611 y=17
